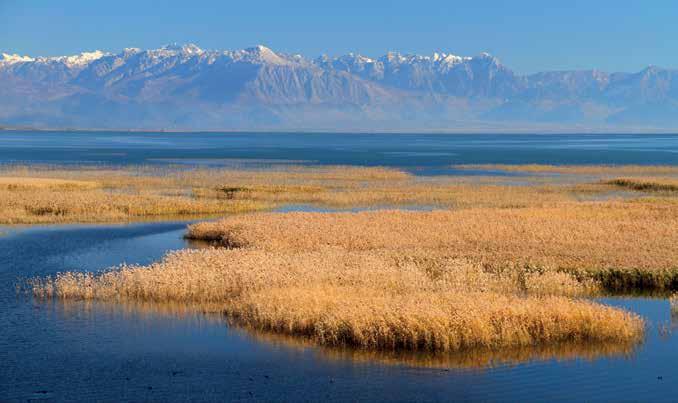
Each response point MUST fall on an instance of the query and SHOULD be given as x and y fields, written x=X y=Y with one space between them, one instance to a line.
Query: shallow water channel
x=108 y=352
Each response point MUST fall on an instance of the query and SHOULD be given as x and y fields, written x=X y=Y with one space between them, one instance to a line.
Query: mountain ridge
x=186 y=87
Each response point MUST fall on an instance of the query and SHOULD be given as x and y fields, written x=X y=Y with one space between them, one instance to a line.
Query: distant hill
x=185 y=87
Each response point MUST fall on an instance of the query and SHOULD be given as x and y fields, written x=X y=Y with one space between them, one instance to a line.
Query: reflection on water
x=117 y=351
x=480 y=359
x=201 y=314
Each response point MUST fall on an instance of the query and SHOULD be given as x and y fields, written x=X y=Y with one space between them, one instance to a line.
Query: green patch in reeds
x=646 y=185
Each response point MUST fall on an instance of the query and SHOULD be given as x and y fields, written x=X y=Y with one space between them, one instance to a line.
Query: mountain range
x=183 y=87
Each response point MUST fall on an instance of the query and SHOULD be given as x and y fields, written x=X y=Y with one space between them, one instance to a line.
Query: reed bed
x=83 y=194
x=509 y=267
x=457 y=195
x=87 y=194
x=214 y=274
x=476 y=358
x=619 y=245
x=668 y=170
x=446 y=321
x=382 y=300
x=95 y=205
x=28 y=183
x=144 y=176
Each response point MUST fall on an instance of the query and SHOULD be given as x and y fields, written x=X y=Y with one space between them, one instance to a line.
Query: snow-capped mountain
x=186 y=87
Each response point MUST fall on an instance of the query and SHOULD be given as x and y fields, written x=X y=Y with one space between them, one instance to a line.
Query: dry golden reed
x=371 y=318
x=200 y=313
x=386 y=299
x=79 y=194
x=578 y=169
x=455 y=193
x=618 y=244
x=28 y=183
x=50 y=206
x=507 y=268
x=85 y=194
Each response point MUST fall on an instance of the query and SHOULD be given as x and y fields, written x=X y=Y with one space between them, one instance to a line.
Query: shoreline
x=311 y=131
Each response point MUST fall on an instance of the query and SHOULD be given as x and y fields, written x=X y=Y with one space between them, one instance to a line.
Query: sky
x=528 y=36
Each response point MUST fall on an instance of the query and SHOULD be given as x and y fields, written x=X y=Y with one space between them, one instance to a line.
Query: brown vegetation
x=442 y=280
x=579 y=169
x=646 y=184
x=371 y=299
x=27 y=183
x=90 y=194
x=507 y=268
x=199 y=313
x=44 y=194
x=50 y=206
x=620 y=245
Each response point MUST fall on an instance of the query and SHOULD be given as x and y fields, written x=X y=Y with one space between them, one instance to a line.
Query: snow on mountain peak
x=82 y=59
x=73 y=61
x=448 y=58
x=189 y=48
x=487 y=56
x=261 y=53
x=14 y=58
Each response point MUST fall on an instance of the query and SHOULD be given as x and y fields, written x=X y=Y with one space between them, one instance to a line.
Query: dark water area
x=110 y=352
x=425 y=154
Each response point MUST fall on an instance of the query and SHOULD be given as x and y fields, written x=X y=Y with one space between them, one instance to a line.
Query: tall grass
x=50 y=206
x=578 y=169
x=619 y=245
x=81 y=194
x=28 y=183
x=374 y=299
x=507 y=268
x=441 y=194
x=182 y=177
x=47 y=194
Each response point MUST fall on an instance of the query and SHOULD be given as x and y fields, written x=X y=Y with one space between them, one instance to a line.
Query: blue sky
x=526 y=35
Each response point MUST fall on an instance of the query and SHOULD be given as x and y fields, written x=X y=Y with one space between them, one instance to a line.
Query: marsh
x=463 y=282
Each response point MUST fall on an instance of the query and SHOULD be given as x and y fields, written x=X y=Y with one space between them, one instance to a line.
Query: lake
x=420 y=153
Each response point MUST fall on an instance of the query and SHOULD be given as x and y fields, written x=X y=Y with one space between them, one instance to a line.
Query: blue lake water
x=421 y=153
x=109 y=352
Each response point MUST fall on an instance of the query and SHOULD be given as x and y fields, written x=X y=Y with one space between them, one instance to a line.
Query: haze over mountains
x=185 y=87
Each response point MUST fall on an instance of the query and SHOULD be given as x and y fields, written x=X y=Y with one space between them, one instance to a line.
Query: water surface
x=419 y=153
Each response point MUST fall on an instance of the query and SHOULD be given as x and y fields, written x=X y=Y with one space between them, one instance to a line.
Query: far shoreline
x=311 y=131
